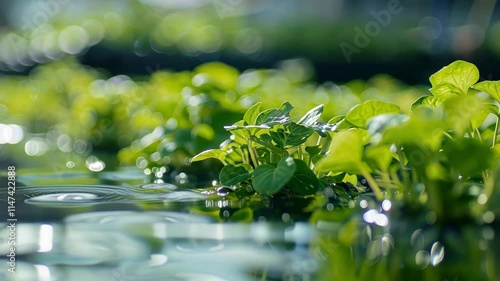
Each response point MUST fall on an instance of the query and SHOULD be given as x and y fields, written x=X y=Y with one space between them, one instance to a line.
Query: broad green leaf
x=274 y=116
x=492 y=88
x=304 y=181
x=444 y=91
x=359 y=114
x=478 y=119
x=313 y=150
x=378 y=124
x=424 y=127
x=311 y=116
x=250 y=116
x=345 y=153
x=461 y=110
x=379 y=157
x=459 y=74
x=430 y=101
x=268 y=179
x=336 y=119
x=232 y=174
x=211 y=153
x=291 y=135
x=468 y=156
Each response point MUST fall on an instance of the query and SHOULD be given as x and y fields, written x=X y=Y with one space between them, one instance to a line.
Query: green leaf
x=461 y=111
x=492 y=88
x=378 y=124
x=211 y=153
x=345 y=152
x=274 y=116
x=219 y=74
x=430 y=101
x=379 y=157
x=304 y=181
x=445 y=91
x=232 y=175
x=242 y=215
x=468 y=156
x=290 y=136
x=359 y=114
x=268 y=179
x=424 y=127
x=311 y=116
x=459 y=75
x=250 y=116
x=313 y=150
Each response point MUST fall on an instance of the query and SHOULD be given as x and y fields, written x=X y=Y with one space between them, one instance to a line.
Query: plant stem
x=253 y=154
x=404 y=169
x=496 y=132
x=371 y=181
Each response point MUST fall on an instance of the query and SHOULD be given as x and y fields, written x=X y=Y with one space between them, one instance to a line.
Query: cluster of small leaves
x=445 y=141
x=271 y=151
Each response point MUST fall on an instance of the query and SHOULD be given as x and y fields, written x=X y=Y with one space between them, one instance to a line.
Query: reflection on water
x=121 y=228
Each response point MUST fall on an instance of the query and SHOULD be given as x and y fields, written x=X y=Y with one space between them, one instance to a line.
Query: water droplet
x=417 y=239
x=422 y=259
x=437 y=253
x=222 y=191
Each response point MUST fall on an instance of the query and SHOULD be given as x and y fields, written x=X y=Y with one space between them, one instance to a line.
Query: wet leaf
x=290 y=136
x=304 y=181
x=269 y=180
x=311 y=116
x=233 y=174
x=274 y=116
x=211 y=153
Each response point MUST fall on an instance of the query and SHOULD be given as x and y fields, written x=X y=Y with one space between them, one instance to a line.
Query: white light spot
x=482 y=199
x=382 y=220
x=488 y=217
x=35 y=147
x=363 y=204
x=370 y=216
x=45 y=238
x=386 y=205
